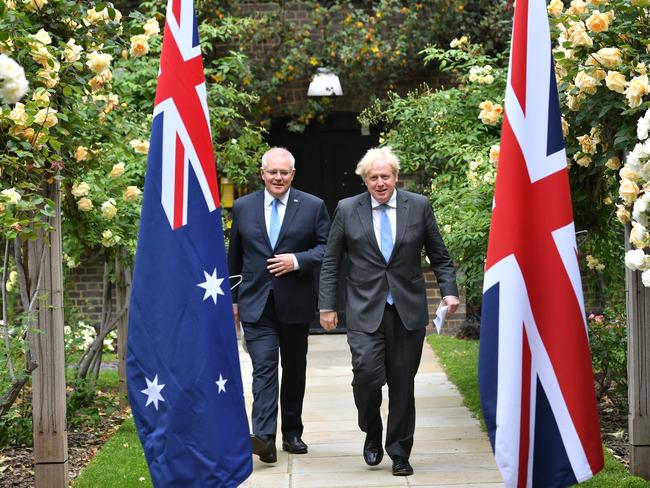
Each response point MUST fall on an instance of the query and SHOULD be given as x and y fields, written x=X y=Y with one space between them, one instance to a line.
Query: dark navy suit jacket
x=304 y=232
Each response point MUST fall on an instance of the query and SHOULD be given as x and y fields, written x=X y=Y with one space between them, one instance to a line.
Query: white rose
x=635 y=259
x=639 y=236
x=645 y=277
x=642 y=126
x=11 y=194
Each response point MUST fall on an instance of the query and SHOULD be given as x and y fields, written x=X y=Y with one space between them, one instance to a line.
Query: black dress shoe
x=264 y=447
x=373 y=453
x=294 y=445
x=402 y=467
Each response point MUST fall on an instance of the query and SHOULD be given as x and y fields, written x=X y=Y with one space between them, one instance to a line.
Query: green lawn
x=459 y=358
x=120 y=463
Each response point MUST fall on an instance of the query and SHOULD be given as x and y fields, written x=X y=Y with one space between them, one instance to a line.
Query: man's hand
x=280 y=264
x=329 y=320
x=452 y=303
x=235 y=311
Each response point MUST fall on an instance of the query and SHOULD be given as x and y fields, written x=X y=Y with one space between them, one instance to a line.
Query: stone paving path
x=450 y=449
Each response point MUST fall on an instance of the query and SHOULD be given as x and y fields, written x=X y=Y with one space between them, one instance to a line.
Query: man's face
x=380 y=181
x=277 y=175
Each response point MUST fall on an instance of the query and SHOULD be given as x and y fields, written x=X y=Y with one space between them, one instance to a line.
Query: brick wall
x=84 y=288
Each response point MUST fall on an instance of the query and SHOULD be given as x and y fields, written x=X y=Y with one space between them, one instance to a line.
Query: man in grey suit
x=383 y=232
x=277 y=242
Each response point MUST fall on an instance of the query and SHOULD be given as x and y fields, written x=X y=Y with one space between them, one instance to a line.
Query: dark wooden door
x=326 y=158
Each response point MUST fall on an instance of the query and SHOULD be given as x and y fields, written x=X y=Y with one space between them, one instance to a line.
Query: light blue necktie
x=386 y=236
x=274 y=225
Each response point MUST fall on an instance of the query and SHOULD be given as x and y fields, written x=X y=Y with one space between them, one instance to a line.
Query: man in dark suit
x=277 y=241
x=383 y=232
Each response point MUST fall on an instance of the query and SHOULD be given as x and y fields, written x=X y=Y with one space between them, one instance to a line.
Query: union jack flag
x=183 y=373
x=536 y=382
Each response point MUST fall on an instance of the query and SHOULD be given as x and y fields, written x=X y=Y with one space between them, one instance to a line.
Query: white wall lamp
x=324 y=84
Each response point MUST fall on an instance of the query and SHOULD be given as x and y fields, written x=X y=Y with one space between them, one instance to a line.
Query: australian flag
x=535 y=376
x=183 y=373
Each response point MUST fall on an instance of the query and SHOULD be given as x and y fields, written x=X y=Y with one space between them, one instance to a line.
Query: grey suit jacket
x=369 y=275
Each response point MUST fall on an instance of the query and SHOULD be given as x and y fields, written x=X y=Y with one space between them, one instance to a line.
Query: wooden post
x=638 y=369
x=123 y=296
x=48 y=379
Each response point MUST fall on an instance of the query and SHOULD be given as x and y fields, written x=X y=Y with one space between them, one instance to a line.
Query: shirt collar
x=392 y=201
x=268 y=198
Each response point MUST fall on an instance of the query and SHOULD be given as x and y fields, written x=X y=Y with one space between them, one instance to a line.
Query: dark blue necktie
x=386 y=237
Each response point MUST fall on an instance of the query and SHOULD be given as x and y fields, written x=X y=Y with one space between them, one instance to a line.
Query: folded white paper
x=441 y=313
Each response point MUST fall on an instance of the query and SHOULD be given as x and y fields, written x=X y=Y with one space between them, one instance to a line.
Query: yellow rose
x=574 y=101
x=42 y=36
x=577 y=7
x=98 y=62
x=565 y=127
x=117 y=171
x=628 y=190
x=615 y=81
x=586 y=83
x=583 y=161
x=151 y=28
x=628 y=173
x=609 y=57
x=81 y=190
x=41 y=55
x=490 y=112
x=139 y=146
x=34 y=4
x=623 y=214
x=494 y=154
x=85 y=204
x=46 y=117
x=49 y=77
x=131 y=193
x=613 y=163
x=578 y=35
x=11 y=195
x=139 y=45
x=555 y=8
x=587 y=144
x=93 y=17
x=598 y=22
x=41 y=95
x=81 y=154
x=18 y=114
x=72 y=52
x=108 y=209
x=635 y=89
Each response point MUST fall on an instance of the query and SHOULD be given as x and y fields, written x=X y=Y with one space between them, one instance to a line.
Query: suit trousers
x=390 y=355
x=264 y=339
